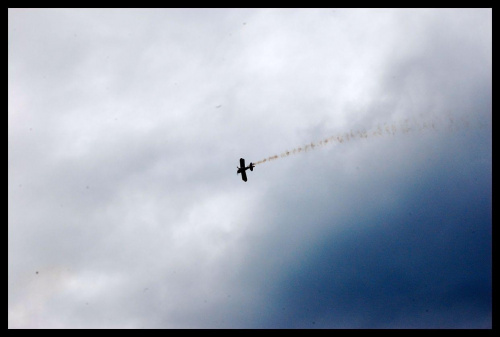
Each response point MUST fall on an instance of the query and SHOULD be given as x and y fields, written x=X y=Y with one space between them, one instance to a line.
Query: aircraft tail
x=251 y=166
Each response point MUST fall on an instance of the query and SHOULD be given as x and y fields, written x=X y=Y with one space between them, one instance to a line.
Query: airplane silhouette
x=242 y=169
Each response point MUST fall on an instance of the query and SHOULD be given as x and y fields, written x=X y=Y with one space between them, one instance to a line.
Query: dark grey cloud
x=425 y=262
x=125 y=128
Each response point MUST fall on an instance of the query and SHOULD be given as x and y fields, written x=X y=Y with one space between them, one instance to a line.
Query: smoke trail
x=405 y=126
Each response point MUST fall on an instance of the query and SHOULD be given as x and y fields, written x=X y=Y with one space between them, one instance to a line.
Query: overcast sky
x=126 y=127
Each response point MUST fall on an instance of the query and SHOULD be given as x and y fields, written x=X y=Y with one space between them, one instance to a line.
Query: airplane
x=242 y=169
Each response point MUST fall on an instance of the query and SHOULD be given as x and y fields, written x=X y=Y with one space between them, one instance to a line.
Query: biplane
x=242 y=169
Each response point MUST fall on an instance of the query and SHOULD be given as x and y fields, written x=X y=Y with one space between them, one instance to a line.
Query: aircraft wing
x=244 y=175
x=242 y=163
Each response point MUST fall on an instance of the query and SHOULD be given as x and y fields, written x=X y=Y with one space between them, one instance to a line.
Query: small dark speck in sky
x=36 y=272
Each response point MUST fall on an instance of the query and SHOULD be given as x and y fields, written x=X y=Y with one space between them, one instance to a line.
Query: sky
x=369 y=207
